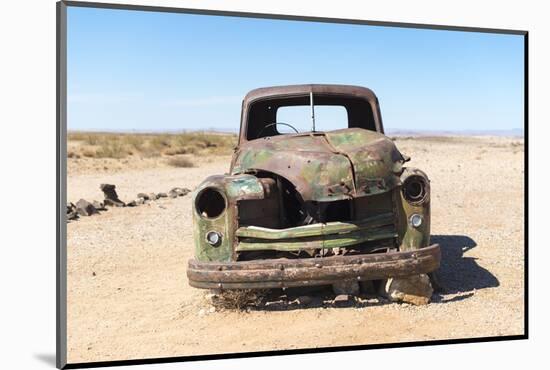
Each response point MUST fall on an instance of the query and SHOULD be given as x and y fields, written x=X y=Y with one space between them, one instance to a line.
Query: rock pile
x=143 y=198
x=85 y=208
x=178 y=192
x=71 y=212
x=111 y=197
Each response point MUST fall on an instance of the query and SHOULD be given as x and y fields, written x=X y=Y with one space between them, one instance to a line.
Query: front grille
x=368 y=226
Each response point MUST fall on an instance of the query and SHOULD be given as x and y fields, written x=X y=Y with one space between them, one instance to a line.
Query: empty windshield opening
x=327 y=118
x=331 y=113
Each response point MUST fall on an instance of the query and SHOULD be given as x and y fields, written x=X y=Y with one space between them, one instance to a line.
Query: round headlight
x=210 y=203
x=416 y=189
x=213 y=238
x=415 y=220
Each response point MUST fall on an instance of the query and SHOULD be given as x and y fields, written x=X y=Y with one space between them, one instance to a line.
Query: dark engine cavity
x=284 y=207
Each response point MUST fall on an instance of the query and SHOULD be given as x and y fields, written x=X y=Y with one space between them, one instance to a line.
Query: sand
x=128 y=295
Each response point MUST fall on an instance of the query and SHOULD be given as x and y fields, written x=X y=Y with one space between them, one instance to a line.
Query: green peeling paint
x=315 y=163
x=246 y=184
x=329 y=241
x=232 y=187
x=324 y=167
x=315 y=229
x=411 y=238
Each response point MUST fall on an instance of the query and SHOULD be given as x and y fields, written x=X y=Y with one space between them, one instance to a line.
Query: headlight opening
x=210 y=203
x=415 y=189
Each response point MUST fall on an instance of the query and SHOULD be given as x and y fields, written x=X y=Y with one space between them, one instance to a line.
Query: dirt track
x=128 y=295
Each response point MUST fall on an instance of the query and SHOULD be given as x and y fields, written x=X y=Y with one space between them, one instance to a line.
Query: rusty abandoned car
x=311 y=207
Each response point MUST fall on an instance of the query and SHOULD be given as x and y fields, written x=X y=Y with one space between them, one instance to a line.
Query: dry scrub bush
x=135 y=141
x=238 y=299
x=87 y=138
x=112 y=149
x=71 y=154
x=180 y=162
x=117 y=145
x=89 y=153
x=160 y=142
x=177 y=151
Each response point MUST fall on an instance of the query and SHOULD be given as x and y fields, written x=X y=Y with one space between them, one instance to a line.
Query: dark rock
x=85 y=208
x=143 y=195
x=162 y=195
x=152 y=196
x=114 y=203
x=71 y=212
x=111 y=197
x=180 y=192
x=72 y=216
x=172 y=194
x=135 y=202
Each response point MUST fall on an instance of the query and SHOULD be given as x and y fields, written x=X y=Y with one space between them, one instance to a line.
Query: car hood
x=326 y=166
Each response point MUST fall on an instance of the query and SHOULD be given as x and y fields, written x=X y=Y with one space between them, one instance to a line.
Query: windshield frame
x=299 y=95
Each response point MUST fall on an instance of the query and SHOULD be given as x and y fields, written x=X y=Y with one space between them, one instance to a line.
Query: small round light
x=213 y=238
x=416 y=220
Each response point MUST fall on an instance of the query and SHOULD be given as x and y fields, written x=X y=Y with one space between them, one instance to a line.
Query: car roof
x=329 y=89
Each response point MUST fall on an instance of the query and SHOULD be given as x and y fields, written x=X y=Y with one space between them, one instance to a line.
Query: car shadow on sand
x=458 y=276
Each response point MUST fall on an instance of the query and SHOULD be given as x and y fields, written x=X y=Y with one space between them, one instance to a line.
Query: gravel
x=139 y=303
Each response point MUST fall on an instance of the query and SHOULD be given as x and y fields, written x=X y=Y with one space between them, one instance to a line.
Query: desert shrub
x=77 y=136
x=238 y=299
x=177 y=151
x=112 y=149
x=89 y=138
x=180 y=162
x=118 y=145
x=135 y=141
x=517 y=144
x=89 y=153
x=191 y=150
x=160 y=142
x=148 y=152
x=93 y=139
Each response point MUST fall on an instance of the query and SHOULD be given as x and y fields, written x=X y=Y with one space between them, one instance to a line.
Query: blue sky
x=134 y=70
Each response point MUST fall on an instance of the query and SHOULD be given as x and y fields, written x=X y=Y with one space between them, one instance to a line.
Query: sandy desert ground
x=128 y=295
